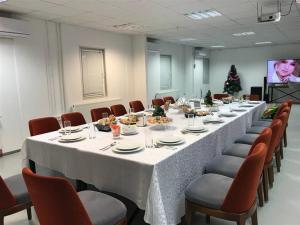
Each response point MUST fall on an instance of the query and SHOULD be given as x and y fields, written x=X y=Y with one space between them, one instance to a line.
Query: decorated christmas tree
x=233 y=83
x=208 y=99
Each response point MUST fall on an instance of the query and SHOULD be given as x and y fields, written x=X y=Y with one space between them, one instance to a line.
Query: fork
x=108 y=146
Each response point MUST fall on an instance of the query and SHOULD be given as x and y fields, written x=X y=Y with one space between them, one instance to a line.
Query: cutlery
x=108 y=146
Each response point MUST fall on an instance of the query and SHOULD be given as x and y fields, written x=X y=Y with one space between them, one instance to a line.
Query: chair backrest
x=55 y=200
x=137 y=106
x=284 y=119
x=43 y=125
x=242 y=192
x=158 y=101
x=118 y=110
x=264 y=137
x=76 y=118
x=276 y=127
x=97 y=113
x=169 y=98
x=252 y=97
x=290 y=102
x=280 y=108
x=220 y=96
x=7 y=198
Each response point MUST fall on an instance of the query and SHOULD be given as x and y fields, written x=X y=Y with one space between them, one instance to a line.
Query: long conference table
x=155 y=178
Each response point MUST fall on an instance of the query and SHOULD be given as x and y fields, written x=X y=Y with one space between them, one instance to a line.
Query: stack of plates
x=199 y=129
x=71 y=138
x=73 y=129
x=170 y=140
x=247 y=105
x=129 y=133
x=213 y=119
x=127 y=147
x=227 y=114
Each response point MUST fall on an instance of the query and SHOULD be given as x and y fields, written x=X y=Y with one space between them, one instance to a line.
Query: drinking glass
x=67 y=127
x=115 y=129
x=191 y=118
x=131 y=110
x=148 y=139
x=104 y=118
x=92 y=131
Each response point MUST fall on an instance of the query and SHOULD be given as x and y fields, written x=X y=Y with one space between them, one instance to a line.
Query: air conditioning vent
x=13 y=28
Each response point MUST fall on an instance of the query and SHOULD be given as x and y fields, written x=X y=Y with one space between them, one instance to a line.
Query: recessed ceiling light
x=3 y=1
x=243 y=34
x=203 y=14
x=217 y=46
x=297 y=1
x=187 y=39
x=263 y=43
x=128 y=26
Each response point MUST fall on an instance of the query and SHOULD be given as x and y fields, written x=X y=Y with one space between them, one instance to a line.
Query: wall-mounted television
x=283 y=71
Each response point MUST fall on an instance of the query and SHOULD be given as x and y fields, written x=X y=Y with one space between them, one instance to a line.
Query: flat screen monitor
x=283 y=71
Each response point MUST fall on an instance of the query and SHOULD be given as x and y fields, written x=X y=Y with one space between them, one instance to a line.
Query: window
x=93 y=72
x=165 y=72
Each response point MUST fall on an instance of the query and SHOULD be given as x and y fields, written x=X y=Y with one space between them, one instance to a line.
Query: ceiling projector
x=269 y=17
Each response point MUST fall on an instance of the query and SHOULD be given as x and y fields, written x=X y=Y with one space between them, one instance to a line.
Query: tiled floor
x=283 y=207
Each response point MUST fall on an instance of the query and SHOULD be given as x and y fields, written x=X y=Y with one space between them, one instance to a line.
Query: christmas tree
x=233 y=83
x=208 y=99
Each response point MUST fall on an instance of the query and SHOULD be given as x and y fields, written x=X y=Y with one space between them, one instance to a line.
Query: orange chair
x=118 y=110
x=137 y=106
x=169 y=98
x=97 y=113
x=43 y=125
x=14 y=197
x=220 y=96
x=158 y=101
x=220 y=196
x=76 y=118
x=56 y=202
x=252 y=97
x=290 y=103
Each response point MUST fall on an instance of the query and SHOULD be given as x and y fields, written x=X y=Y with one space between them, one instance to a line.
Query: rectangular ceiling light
x=187 y=39
x=263 y=43
x=128 y=26
x=217 y=46
x=243 y=34
x=3 y=1
x=203 y=14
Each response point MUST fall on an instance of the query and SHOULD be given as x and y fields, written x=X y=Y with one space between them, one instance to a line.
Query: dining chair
x=137 y=106
x=56 y=202
x=290 y=103
x=158 y=101
x=228 y=165
x=227 y=198
x=14 y=197
x=252 y=97
x=220 y=96
x=169 y=98
x=76 y=118
x=43 y=125
x=97 y=113
x=118 y=110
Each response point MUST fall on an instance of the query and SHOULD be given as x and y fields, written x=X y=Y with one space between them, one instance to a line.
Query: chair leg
x=2 y=220
x=271 y=175
x=260 y=195
x=278 y=163
x=241 y=222
x=29 y=215
x=285 y=138
x=188 y=214
x=207 y=218
x=266 y=184
x=254 y=218
x=281 y=149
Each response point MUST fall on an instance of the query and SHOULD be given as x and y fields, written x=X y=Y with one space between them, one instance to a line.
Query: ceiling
x=165 y=20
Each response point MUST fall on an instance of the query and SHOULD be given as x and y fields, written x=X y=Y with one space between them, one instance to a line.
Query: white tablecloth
x=155 y=179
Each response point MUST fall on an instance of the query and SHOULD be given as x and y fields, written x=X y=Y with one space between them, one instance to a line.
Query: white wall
x=118 y=63
x=251 y=64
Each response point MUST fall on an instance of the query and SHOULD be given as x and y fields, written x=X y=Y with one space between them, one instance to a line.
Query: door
x=10 y=113
x=165 y=72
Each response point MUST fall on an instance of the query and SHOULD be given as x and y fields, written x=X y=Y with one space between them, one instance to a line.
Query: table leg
x=81 y=186
x=32 y=166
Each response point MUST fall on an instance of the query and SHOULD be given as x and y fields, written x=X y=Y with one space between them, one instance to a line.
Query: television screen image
x=283 y=71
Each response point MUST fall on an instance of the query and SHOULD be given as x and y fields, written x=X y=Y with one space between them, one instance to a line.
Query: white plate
x=149 y=110
x=239 y=109
x=128 y=134
x=228 y=114
x=125 y=146
x=127 y=151
x=195 y=131
x=170 y=139
x=195 y=128
x=73 y=129
x=176 y=143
